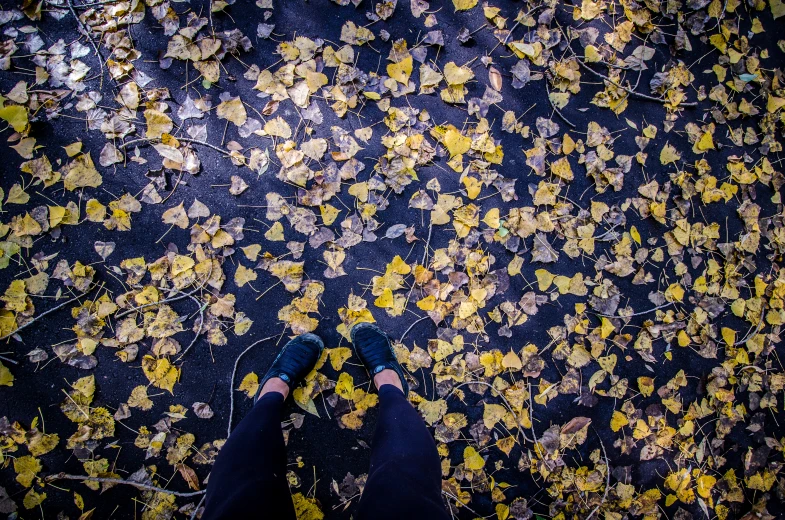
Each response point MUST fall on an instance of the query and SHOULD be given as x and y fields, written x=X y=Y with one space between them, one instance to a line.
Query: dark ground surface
x=328 y=452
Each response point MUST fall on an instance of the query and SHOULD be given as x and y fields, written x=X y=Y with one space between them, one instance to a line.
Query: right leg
x=249 y=476
x=405 y=477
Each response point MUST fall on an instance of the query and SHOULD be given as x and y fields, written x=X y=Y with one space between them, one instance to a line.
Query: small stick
x=637 y=313
x=167 y=300
x=231 y=382
x=607 y=476
x=138 y=485
x=411 y=327
x=629 y=91
x=9 y=360
x=90 y=38
x=553 y=105
x=202 y=306
x=53 y=309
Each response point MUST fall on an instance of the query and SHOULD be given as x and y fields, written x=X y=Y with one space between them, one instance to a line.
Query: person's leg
x=249 y=476
x=404 y=480
x=248 y=479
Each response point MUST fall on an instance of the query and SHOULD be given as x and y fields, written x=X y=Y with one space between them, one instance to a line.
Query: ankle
x=387 y=377
x=275 y=384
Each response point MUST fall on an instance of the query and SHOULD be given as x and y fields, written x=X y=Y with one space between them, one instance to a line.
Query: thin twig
x=202 y=307
x=180 y=296
x=9 y=360
x=607 y=476
x=634 y=93
x=637 y=313
x=427 y=244
x=89 y=36
x=411 y=327
x=193 y=515
x=138 y=485
x=231 y=382
x=184 y=139
x=53 y=309
x=553 y=105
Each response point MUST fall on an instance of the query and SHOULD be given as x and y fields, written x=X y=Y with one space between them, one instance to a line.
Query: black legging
x=404 y=480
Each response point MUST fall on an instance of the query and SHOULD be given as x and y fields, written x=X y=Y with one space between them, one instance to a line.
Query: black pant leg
x=248 y=479
x=404 y=480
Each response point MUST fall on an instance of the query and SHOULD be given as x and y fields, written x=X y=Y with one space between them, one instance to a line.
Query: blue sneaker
x=296 y=359
x=376 y=352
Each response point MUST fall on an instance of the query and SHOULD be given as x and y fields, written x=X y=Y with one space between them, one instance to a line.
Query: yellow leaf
x=561 y=168
x=278 y=128
x=506 y=444
x=432 y=411
x=544 y=279
x=6 y=377
x=705 y=483
x=705 y=143
x=249 y=384
x=473 y=187
x=492 y=414
x=158 y=123
x=511 y=360
x=56 y=215
x=17 y=195
x=401 y=71
x=635 y=235
x=252 y=252
x=591 y=55
x=26 y=468
x=275 y=233
x=232 y=110
x=464 y=5
x=82 y=174
x=618 y=421
x=457 y=75
x=427 y=304
x=345 y=386
x=176 y=216
x=514 y=267
x=73 y=148
x=456 y=143
x=606 y=328
x=243 y=275
x=472 y=460
x=728 y=335
x=160 y=372
x=491 y=218
x=181 y=264
x=385 y=300
x=329 y=213
x=669 y=154
x=338 y=356
x=645 y=385
x=96 y=212
x=674 y=292
x=16 y=116
x=305 y=508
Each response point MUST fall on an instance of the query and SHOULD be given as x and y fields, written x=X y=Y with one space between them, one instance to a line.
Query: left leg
x=249 y=476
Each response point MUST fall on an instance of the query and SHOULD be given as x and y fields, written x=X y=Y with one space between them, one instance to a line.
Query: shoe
x=376 y=352
x=296 y=359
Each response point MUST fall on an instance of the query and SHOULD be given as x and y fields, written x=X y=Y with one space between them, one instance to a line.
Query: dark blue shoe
x=376 y=352
x=296 y=359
